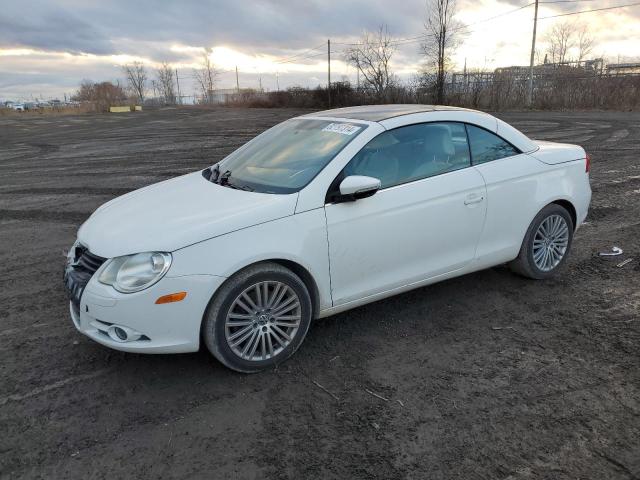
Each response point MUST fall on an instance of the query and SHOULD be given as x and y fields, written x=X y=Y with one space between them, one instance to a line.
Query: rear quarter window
x=486 y=146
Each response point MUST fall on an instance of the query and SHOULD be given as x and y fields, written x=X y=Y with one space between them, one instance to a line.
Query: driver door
x=424 y=222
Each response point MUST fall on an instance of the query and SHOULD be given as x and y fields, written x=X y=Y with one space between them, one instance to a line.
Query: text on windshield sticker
x=343 y=128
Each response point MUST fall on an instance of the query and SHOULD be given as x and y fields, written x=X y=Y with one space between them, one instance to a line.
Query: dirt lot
x=487 y=376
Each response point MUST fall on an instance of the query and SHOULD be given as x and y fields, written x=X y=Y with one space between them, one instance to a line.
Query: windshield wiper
x=223 y=179
x=212 y=173
x=216 y=177
x=246 y=188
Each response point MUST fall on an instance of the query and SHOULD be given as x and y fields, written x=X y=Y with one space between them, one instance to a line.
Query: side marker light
x=172 y=297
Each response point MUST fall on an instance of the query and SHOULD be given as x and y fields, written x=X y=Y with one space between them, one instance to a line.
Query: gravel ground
x=487 y=376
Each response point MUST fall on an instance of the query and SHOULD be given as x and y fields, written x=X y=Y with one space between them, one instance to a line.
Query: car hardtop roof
x=378 y=113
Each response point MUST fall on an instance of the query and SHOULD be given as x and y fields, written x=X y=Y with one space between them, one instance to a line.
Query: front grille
x=89 y=262
x=79 y=271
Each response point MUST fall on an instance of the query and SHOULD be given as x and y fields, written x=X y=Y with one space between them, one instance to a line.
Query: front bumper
x=166 y=328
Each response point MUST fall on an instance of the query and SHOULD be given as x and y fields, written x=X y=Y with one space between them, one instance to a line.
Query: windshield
x=288 y=156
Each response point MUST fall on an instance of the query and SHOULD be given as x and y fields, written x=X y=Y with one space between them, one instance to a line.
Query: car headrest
x=383 y=166
x=438 y=141
x=383 y=140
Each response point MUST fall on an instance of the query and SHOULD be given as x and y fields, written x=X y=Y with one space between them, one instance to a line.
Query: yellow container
x=120 y=109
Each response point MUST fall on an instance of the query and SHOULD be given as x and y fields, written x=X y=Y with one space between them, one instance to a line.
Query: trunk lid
x=553 y=153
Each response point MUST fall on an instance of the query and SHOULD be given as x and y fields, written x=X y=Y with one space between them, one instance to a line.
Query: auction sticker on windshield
x=343 y=128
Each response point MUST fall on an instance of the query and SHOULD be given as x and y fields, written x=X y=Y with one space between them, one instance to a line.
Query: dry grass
x=85 y=108
x=562 y=91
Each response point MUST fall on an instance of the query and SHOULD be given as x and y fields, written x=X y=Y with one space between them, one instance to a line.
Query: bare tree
x=585 y=43
x=206 y=78
x=166 y=83
x=561 y=40
x=86 y=91
x=102 y=95
x=136 y=79
x=371 y=57
x=443 y=37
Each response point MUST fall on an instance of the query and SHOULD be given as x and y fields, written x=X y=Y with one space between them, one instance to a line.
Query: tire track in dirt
x=478 y=402
x=75 y=218
x=18 y=397
x=115 y=191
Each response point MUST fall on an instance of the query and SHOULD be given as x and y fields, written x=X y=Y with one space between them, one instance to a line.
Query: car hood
x=175 y=213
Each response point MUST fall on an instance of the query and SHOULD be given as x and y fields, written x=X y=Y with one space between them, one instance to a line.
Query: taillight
x=587 y=163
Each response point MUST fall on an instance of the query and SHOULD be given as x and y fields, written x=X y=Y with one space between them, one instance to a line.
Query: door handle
x=472 y=199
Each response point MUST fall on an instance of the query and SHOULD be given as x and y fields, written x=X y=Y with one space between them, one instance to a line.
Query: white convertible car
x=317 y=215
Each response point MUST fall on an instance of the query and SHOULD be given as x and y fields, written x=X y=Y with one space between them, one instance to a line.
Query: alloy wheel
x=263 y=320
x=550 y=242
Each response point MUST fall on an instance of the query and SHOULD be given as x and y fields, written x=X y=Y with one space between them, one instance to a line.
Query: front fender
x=300 y=238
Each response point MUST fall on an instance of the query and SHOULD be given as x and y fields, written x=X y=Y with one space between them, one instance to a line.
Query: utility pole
x=237 y=81
x=533 y=53
x=277 y=81
x=329 y=71
x=357 y=73
x=466 y=82
x=178 y=82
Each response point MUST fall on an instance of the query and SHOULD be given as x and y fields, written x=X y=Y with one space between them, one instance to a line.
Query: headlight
x=133 y=273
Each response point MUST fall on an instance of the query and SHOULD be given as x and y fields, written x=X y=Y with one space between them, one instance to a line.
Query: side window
x=486 y=146
x=410 y=153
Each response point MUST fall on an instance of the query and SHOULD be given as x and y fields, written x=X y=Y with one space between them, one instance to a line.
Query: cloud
x=96 y=36
x=115 y=26
x=51 y=30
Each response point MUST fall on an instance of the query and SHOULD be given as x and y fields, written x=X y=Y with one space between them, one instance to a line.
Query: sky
x=47 y=47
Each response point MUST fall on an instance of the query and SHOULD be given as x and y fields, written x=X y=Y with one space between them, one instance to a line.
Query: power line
x=307 y=55
x=287 y=59
x=499 y=15
x=589 y=11
x=302 y=58
x=467 y=26
x=424 y=36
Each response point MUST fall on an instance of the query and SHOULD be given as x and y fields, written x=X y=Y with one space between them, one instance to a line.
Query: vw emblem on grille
x=77 y=254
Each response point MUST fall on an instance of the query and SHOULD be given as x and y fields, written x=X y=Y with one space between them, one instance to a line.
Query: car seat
x=439 y=151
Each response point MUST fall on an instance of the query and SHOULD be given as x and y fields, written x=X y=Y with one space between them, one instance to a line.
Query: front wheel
x=546 y=244
x=258 y=319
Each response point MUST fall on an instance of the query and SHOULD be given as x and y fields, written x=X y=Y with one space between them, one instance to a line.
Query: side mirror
x=355 y=187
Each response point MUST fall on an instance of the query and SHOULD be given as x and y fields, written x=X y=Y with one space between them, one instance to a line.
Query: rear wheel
x=258 y=319
x=546 y=244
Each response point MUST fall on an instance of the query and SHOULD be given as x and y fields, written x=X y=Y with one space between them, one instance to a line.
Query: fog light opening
x=121 y=334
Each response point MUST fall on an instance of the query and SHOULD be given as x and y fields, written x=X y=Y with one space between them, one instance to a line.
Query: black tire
x=214 y=330
x=524 y=264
